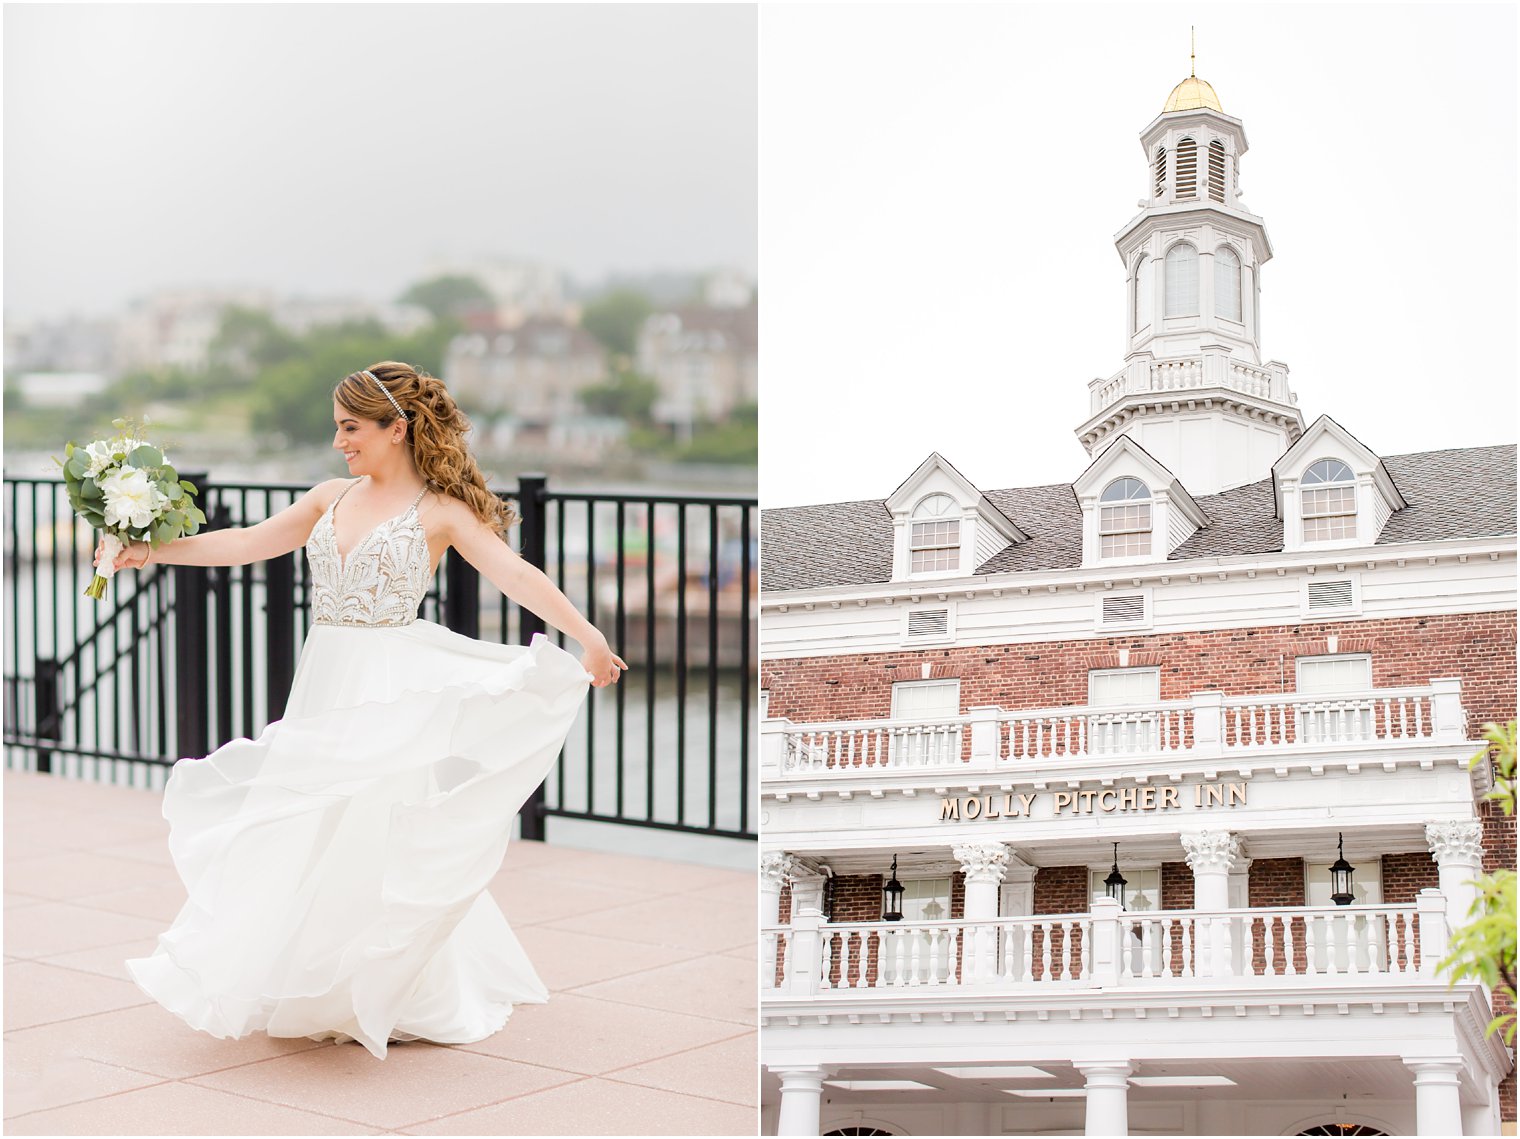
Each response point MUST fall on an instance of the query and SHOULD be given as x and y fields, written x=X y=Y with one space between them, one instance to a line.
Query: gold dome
x=1190 y=95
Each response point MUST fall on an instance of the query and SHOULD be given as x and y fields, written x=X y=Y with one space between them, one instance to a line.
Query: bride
x=337 y=865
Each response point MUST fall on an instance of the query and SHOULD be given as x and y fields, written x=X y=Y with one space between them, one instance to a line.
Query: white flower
x=131 y=499
x=100 y=453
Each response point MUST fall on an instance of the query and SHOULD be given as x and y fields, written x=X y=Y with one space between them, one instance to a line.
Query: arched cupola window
x=1124 y=519
x=1329 y=501
x=1182 y=280
x=1160 y=171
x=936 y=537
x=1216 y=170
x=1226 y=283
x=1187 y=169
x=1145 y=303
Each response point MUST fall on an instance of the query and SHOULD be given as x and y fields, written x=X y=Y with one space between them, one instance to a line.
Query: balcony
x=1183 y=374
x=1278 y=949
x=1205 y=726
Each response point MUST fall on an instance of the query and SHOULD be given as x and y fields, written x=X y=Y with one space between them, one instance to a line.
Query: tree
x=1484 y=949
x=248 y=339
x=615 y=319
x=627 y=395
x=449 y=297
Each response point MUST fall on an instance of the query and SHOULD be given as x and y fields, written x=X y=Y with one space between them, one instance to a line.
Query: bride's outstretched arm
x=278 y=534
x=525 y=584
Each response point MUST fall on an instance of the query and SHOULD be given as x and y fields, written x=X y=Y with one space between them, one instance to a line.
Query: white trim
x=907 y=639
x=1324 y=612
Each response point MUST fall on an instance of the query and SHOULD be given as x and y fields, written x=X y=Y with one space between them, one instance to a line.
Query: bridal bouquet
x=126 y=488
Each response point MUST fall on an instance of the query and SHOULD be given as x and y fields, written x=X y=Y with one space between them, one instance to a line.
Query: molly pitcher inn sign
x=1109 y=800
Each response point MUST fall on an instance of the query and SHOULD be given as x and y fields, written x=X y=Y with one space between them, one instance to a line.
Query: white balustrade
x=1188 y=373
x=1381 y=716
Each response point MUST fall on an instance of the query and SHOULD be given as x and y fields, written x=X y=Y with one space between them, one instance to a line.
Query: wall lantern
x=892 y=896
x=1340 y=875
x=1115 y=882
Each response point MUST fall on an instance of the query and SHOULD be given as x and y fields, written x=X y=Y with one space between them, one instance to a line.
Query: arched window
x=1329 y=501
x=1124 y=519
x=1226 y=283
x=1160 y=171
x=1182 y=281
x=936 y=538
x=1145 y=303
x=1216 y=170
x=1343 y=1129
x=1187 y=169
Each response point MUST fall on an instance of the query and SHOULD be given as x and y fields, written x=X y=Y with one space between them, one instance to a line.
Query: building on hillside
x=175 y=328
x=1062 y=785
x=705 y=359
x=534 y=370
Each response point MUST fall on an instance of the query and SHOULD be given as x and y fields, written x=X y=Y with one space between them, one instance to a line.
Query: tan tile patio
x=649 y=1031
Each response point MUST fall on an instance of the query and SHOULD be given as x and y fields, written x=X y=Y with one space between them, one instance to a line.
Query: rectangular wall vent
x=929 y=623
x=1126 y=609
x=1325 y=595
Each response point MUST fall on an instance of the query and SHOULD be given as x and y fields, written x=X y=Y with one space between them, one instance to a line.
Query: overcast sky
x=940 y=187
x=339 y=148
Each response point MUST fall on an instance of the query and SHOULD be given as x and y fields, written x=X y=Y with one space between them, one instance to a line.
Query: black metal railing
x=177 y=660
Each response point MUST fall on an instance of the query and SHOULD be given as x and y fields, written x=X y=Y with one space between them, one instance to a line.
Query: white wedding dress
x=337 y=865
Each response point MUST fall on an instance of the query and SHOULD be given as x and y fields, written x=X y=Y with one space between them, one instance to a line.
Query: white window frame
x=951 y=517
x=1220 y=275
x=1171 y=301
x=1122 y=733
x=1338 y=723
x=1306 y=490
x=904 y=748
x=1124 y=531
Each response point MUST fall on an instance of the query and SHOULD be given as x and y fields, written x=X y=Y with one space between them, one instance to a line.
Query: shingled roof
x=1467 y=492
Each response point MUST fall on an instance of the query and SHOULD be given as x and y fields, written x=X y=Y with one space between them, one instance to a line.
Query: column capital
x=1434 y=1069
x=982 y=861
x=777 y=868
x=1459 y=842
x=1105 y=1073
x=801 y=1075
x=1210 y=850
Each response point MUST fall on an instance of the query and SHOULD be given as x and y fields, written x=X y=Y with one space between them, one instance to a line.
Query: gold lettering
x=987 y=809
x=1214 y=793
x=1168 y=797
x=1008 y=805
x=1087 y=800
x=1147 y=798
x=1197 y=794
x=1108 y=800
x=1237 y=794
x=1027 y=801
x=972 y=806
x=1064 y=799
x=949 y=809
x=1128 y=797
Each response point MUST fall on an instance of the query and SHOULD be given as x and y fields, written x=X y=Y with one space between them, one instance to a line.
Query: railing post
x=192 y=696
x=1107 y=930
x=531 y=493
x=773 y=747
x=802 y=964
x=1448 y=720
x=279 y=631
x=1208 y=723
x=1435 y=937
x=45 y=709
x=461 y=596
x=985 y=735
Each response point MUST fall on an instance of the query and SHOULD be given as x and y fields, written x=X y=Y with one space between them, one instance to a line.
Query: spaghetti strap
x=419 y=497
x=334 y=507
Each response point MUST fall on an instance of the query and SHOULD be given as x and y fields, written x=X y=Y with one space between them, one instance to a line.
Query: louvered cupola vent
x=929 y=623
x=1324 y=595
x=1127 y=609
x=1216 y=170
x=1187 y=169
x=1160 y=171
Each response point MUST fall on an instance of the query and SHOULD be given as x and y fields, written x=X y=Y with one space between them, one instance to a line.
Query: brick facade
x=1275 y=882
x=1405 y=875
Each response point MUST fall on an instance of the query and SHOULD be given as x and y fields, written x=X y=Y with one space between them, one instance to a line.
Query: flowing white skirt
x=337 y=865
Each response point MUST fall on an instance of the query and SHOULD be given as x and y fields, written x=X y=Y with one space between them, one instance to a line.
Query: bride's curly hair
x=436 y=431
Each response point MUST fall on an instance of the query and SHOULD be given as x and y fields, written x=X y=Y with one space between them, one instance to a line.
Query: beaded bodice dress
x=382 y=580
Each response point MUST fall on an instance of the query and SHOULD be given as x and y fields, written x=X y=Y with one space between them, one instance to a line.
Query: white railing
x=1281 y=946
x=1188 y=373
x=1206 y=724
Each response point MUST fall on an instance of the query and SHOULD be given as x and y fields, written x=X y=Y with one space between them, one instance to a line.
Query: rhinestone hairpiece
x=385 y=392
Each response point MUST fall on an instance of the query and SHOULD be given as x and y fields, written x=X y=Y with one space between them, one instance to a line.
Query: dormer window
x=1182 y=280
x=1124 y=519
x=936 y=537
x=1329 y=497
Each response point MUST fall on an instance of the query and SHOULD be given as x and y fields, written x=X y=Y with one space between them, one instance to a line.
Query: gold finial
x=1193 y=55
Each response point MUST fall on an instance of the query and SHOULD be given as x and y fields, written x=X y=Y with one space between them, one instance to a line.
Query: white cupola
x=1194 y=390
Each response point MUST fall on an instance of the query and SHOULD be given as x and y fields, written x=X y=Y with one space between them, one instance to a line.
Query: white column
x=1437 y=1101
x=983 y=864
x=776 y=870
x=801 y=1100
x=1211 y=855
x=1107 y=1096
x=1458 y=850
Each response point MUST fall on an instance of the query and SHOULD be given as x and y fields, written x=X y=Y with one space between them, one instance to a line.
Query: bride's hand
x=604 y=665
x=133 y=556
